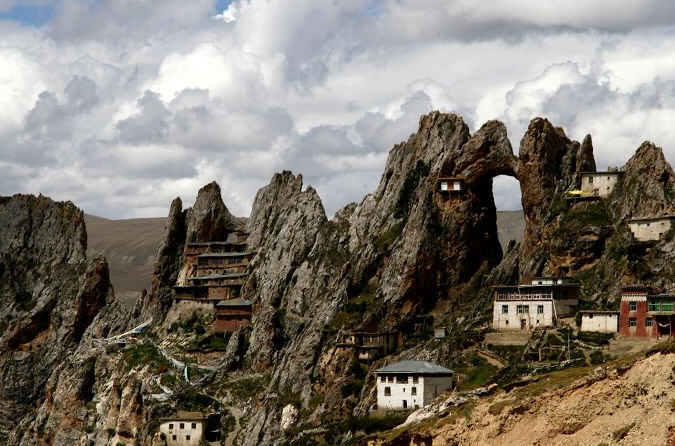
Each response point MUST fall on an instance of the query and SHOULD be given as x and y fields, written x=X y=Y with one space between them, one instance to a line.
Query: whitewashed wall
x=603 y=183
x=512 y=320
x=650 y=230
x=603 y=322
x=428 y=387
x=181 y=434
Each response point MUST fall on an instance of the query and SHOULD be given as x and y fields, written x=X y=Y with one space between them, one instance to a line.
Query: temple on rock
x=450 y=184
x=411 y=384
x=651 y=229
x=213 y=275
x=646 y=314
x=368 y=346
x=535 y=304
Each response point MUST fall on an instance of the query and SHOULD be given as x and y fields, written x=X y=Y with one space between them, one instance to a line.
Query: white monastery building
x=185 y=429
x=599 y=320
x=411 y=384
x=602 y=183
x=651 y=228
x=535 y=304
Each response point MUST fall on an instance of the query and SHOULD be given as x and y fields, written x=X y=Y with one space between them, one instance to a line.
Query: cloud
x=121 y=106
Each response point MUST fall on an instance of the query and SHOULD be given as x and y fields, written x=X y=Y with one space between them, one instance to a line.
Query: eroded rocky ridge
x=405 y=255
x=50 y=297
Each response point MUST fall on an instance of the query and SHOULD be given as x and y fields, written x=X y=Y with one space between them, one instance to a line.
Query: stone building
x=646 y=314
x=411 y=384
x=185 y=429
x=216 y=271
x=602 y=183
x=369 y=345
x=600 y=321
x=651 y=228
x=536 y=304
x=233 y=314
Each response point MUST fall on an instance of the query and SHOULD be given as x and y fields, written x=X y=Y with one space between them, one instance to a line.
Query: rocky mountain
x=408 y=257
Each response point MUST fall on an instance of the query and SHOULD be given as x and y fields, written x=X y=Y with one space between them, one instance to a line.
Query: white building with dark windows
x=535 y=304
x=602 y=183
x=185 y=429
x=411 y=384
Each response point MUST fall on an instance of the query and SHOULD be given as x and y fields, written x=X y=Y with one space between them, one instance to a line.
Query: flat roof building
x=450 y=184
x=600 y=321
x=184 y=429
x=646 y=314
x=533 y=305
x=233 y=314
x=602 y=183
x=411 y=384
x=650 y=229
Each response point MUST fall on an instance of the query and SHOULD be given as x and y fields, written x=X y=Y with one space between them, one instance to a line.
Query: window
x=632 y=322
x=387 y=391
x=194 y=425
x=590 y=180
x=381 y=379
x=415 y=379
x=182 y=425
x=505 y=309
x=540 y=309
x=174 y=437
x=653 y=306
x=187 y=437
x=402 y=379
x=519 y=309
x=633 y=305
x=649 y=322
x=667 y=306
x=590 y=316
x=405 y=404
x=444 y=185
x=170 y=425
x=526 y=309
x=413 y=391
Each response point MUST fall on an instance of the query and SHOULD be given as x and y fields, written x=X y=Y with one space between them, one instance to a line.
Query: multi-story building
x=411 y=384
x=535 y=304
x=646 y=314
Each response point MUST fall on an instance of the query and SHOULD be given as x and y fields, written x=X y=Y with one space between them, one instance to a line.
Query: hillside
x=129 y=246
x=510 y=226
x=627 y=402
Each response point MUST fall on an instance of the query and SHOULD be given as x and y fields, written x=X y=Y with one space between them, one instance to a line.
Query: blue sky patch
x=28 y=14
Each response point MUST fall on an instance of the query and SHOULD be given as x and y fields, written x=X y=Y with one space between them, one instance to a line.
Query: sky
x=122 y=105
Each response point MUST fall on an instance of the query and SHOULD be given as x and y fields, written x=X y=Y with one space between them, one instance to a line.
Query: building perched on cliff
x=233 y=314
x=601 y=183
x=215 y=272
x=411 y=384
x=368 y=346
x=535 y=304
x=646 y=314
x=185 y=429
x=650 y=229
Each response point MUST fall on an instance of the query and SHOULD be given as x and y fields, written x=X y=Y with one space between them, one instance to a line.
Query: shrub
x=619 y=434
x=111 y=432
x=597 y=357
x=594 y=337
x=141 y=354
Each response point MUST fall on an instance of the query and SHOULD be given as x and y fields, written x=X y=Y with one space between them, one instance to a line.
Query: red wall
x=640 y=315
